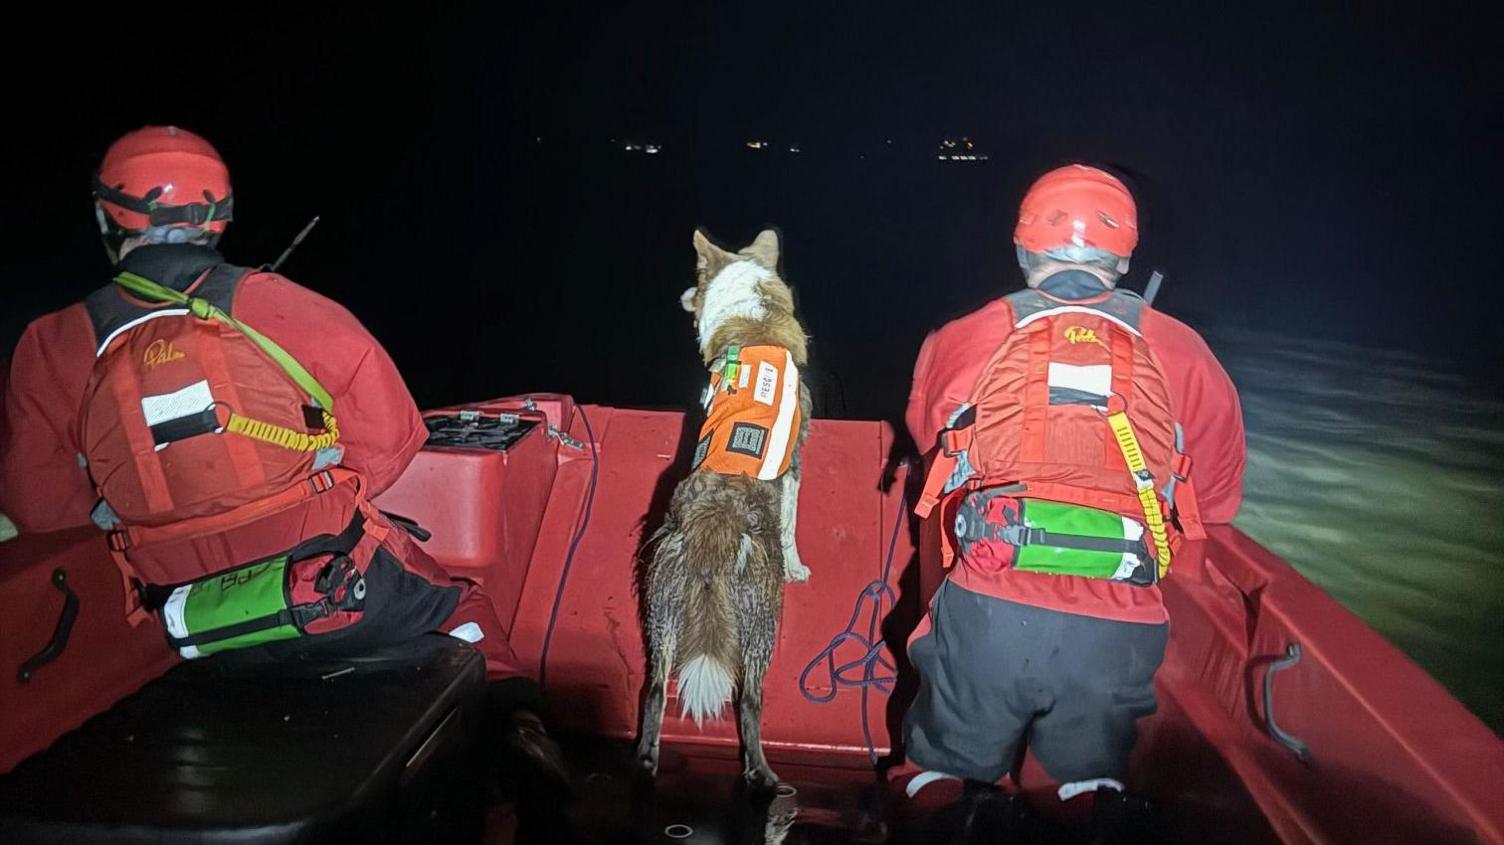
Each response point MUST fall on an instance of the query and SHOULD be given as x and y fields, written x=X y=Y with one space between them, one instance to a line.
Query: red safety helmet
x=162 y=177
x=1078 y=209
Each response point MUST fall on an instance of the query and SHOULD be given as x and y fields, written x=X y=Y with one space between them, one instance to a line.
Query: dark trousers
x=994 y=672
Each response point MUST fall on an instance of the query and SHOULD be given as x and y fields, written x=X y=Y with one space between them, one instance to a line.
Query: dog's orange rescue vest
x=751 y=414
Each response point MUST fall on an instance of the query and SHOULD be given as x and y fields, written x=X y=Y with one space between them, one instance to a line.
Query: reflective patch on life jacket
x=125 y=327
x=1080 y=385
x=747 y=439
x=180 y=414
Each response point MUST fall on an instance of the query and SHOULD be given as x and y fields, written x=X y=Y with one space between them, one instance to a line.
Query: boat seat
x=379 y=747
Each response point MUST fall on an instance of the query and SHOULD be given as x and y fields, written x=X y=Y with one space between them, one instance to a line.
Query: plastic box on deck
x=480 y=486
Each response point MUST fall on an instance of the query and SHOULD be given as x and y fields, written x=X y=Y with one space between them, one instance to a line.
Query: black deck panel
x=235 y=748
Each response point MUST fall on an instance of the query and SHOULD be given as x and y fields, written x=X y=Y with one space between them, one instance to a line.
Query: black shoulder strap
x=110 y=312
x=1124 y=306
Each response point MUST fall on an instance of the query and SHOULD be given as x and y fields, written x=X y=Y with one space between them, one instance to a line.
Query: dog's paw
x=761 y=780
x=647 y=764
x=795 y=571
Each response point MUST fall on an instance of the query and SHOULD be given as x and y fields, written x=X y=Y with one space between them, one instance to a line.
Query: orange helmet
x=162 y=178
x=1077 y=211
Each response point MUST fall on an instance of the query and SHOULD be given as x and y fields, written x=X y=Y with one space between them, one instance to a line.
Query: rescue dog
x=713 y=589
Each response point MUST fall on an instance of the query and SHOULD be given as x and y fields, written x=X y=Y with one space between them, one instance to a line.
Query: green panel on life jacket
x=1074 y=523
x=238 y=609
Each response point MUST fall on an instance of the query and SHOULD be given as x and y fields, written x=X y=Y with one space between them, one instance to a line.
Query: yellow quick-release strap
x=1122 y=430
x=265 y=432
x=287 y=438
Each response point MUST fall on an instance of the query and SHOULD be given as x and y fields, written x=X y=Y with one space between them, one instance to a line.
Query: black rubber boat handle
x=60 y=633
x=1298 y=748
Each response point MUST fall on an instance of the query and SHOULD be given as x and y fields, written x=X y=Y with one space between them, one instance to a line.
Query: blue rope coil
x=872 y=658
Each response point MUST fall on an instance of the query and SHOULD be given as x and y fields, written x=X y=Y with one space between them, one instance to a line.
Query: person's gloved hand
x=7 y=529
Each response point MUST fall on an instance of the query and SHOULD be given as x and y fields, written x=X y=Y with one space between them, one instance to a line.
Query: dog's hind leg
x=664 y=598
x=653 y=703
x=652 y=708
x=758 y=619
x=788 y=515
x=758 y=774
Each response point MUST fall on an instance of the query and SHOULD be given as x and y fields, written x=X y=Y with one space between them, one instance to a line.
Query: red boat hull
x=1394 y=757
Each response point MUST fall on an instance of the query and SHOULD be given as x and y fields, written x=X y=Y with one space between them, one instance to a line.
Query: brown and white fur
x=714 y=586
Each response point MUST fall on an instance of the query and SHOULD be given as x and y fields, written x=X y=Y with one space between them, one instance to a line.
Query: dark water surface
x=1380 y=476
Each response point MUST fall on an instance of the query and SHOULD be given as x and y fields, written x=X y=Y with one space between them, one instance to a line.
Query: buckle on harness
x=971 y=523
x=343 y=586
x=322 y=482
x=1182 y=468
x=1143 y=480
x=303 y=614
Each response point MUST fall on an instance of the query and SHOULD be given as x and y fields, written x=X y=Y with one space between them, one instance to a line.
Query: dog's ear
x=764 y=250
x=704 y=249
x=687 y=298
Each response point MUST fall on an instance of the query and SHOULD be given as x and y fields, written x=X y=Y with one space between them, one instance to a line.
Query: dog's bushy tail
x=717 y=546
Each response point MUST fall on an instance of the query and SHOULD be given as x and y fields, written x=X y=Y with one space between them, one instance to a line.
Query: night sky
x=1298 y=171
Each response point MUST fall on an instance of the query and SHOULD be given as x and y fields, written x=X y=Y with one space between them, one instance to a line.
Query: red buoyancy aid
x=187 y=416
x=193 y=422
x=752 y=416
x=1048 y=415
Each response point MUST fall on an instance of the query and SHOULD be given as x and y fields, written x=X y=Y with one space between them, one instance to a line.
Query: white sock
x=924 y=779
x=1080 y=787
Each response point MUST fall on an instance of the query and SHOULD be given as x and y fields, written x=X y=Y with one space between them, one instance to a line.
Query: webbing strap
x=322 y=482
x=1122 y=384
x=125 y=538
x=1036 y=399
x=1040 y=537
x=206 y=310
x=287 y=438
x=1122 y=431
x=934 y=483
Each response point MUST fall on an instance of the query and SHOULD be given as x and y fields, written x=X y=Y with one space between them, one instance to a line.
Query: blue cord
x=837 y=676
x=553 y=615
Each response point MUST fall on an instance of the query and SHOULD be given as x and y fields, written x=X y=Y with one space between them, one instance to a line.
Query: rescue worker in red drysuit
x=162 y=201
x=1064 y=662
